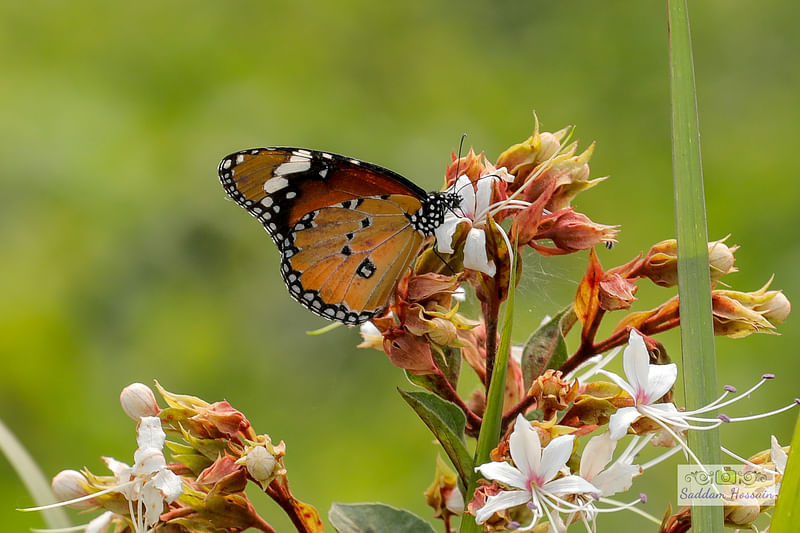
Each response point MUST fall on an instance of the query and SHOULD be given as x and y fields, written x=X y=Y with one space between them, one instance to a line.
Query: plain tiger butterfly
x=347 y=230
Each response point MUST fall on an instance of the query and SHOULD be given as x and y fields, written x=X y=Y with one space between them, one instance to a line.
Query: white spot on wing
x=227 y=164
x=239 y=159
x=276 y=184
x=293 y=167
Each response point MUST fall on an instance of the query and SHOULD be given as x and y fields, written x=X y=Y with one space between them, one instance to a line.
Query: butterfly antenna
x=460 y=148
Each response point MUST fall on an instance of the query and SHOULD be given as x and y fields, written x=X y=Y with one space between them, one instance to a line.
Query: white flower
x=647 y=383
x=474 y=207
x=533 y=477
x=777 y=455
x=596 y=456
x=149 y=483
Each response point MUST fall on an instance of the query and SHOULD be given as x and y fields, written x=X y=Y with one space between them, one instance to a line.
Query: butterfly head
x=434 y=206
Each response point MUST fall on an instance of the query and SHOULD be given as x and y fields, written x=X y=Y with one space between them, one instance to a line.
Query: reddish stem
x=491 y=310
x=280 y=493
x=450 y=394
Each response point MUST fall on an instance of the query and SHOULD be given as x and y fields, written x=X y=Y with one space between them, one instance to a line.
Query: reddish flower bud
x=571 y=231
x=661 y=262
x=616 y=292
x=409 y=352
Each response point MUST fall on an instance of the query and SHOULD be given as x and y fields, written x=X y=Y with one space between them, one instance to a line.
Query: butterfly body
x=347 y=230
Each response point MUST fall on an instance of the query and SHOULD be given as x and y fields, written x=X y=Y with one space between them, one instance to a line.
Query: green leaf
x=694 y=283
x=375 y=518
x=546 y=348
x=446 y=421
x=787 y=510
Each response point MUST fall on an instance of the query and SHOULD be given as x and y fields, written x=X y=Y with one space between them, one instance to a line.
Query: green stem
x=493 y=417
x=694 y=283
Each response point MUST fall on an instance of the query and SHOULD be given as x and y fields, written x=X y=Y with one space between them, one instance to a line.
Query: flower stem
x=493 y=417
x=694 y=283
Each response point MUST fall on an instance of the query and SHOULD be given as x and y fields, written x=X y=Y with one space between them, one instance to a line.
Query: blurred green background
x=122 y=260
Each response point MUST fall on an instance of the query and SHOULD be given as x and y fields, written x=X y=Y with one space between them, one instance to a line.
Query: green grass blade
x=37 y=484
x=787 y=510
x=697 y=334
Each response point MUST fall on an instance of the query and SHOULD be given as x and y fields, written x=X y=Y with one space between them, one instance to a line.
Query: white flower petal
x=463 y=186
x=525 y=448
x=636 y=361
x=483 y=196
x=168 y=484
x=148 y=461
x=475 y=257
x=504 y=473
x=777 y=454
x=121 y=470
x=621 y=383
x=555 y=457
x=620 y=421
x=150 y=434
x=99 y=524
x=153 y=504
x=596 y=455
x=660 y=380
x=500 y=501
x=618 y=478
x=444 y=233
x=570 y=485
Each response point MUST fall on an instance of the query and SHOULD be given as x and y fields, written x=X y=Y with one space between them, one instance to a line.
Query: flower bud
x=443 y=494
x=260 y=464
x=661 y=262
x=69 y=485
x=138 y=400
x=371 y=335
x=738 y=314
x=571 y=231
x=741 y=516
x=616 y=292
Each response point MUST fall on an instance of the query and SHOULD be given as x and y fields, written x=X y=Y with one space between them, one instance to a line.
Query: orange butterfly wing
x=347 y=230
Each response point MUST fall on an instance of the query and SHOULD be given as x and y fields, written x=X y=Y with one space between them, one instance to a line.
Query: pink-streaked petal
x=444 y=233
x=555 y=457
x=525 y=449
x=504 y=473
x=777 y=454
x=570 y=485
x=596 y=455
x=475 y=257
x=150 y=434
x=636 y=361
x=621 y=383
x=483 y=196
x=620 y=421
x=99 y=524
x=618 y=478
x=500 y=501
x=660 y=380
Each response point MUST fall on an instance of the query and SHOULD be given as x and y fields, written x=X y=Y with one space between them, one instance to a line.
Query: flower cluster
x=215 y=455
x=541 y=477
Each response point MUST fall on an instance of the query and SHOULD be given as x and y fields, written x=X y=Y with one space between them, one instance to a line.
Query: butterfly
x=347 y=230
